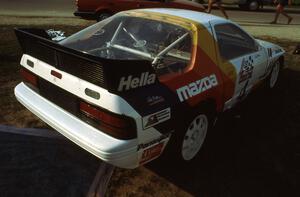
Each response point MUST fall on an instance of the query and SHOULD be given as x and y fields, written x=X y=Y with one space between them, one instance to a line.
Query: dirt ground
x=253 y=151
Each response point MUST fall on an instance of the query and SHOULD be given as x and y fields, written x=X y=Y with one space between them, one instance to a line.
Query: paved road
x=67 y=7
x=249 y=20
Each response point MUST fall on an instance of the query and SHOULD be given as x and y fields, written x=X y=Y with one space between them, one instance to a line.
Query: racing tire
x=253 y=5
x=102 y=16
x=190 y=139
x=274 y=76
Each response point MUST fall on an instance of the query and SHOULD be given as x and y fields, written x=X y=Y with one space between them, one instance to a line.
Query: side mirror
x=297 y=50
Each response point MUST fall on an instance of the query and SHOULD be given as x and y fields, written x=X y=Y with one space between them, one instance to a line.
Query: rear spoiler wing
x=106 y=73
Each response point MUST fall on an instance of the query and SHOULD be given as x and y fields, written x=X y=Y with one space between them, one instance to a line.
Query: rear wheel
x=194 y=137
x=189 y=139
x=253 y=5
x=102 y=16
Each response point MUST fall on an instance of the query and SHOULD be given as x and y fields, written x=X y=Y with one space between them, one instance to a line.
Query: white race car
x=124 y=87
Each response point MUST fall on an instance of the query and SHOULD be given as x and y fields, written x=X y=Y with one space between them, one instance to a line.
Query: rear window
x=166 y=45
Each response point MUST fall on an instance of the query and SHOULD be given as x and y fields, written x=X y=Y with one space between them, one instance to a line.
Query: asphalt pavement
x=256 y=23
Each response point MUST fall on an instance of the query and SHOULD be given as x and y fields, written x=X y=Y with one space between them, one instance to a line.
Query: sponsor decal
x=156 y=118
x=246 y=69
x=155 y=141
x=197 y=87
x=131 y=82
x=152 y=100
x=152 y=153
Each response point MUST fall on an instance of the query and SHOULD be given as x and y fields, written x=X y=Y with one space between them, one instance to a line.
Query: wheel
x=102 y=16
x=189 y=139
x=253 y=5
x=194 y=137
x=274 y=75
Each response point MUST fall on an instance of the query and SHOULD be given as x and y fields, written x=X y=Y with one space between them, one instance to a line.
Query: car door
x=151 y=3
x=239 y=50
x=121 y=5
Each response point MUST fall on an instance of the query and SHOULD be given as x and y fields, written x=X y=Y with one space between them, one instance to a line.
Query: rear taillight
x=118 y=126
x=29 y=77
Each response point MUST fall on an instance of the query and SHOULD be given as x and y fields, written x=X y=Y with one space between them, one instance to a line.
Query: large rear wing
x=106 y=73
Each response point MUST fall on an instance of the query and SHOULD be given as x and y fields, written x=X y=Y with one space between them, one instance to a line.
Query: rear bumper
x=86 y=15
x=121 y=153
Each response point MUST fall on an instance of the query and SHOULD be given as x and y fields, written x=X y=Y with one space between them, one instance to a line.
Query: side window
x=233 y=42
x=178 y=57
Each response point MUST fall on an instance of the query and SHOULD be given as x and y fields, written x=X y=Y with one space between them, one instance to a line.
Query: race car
x=143 y=81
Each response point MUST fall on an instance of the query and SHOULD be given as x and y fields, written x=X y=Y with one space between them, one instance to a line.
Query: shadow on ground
x=253 y=151
x=35 y=167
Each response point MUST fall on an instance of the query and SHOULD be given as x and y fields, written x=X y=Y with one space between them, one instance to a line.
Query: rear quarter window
x=167 y=46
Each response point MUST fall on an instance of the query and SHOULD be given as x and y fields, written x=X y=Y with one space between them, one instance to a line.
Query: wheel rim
x=194 y=137
x=253 y=5
x=103 y=16
x=274 y=74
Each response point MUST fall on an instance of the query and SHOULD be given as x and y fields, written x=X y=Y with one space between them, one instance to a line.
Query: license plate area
x=59 y=96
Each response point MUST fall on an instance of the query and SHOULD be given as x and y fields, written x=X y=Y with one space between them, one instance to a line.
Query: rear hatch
x=104 y=73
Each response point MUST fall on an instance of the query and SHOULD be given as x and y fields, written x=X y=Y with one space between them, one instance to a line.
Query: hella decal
x=197 y=87
x=133 y=82
x=156 y=118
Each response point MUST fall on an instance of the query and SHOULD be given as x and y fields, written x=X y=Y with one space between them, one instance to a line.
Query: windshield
x=128 y=37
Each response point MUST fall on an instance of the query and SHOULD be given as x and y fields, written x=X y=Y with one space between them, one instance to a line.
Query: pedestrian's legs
x=286 y=15
x=210 y=3
x=278 y=10
x=222 y=9
x=261 y=4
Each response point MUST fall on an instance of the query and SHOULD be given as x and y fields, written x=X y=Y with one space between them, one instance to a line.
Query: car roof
x=199 y=17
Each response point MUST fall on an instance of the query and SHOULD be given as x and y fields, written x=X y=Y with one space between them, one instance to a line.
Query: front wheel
x=274 y=75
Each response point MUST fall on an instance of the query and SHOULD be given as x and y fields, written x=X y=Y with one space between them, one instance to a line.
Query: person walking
x=280 y=10
x=218 y=4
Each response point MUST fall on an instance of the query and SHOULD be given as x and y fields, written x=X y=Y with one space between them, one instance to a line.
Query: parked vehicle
x=124 y=87
x=101 y=9
x=251 y=5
